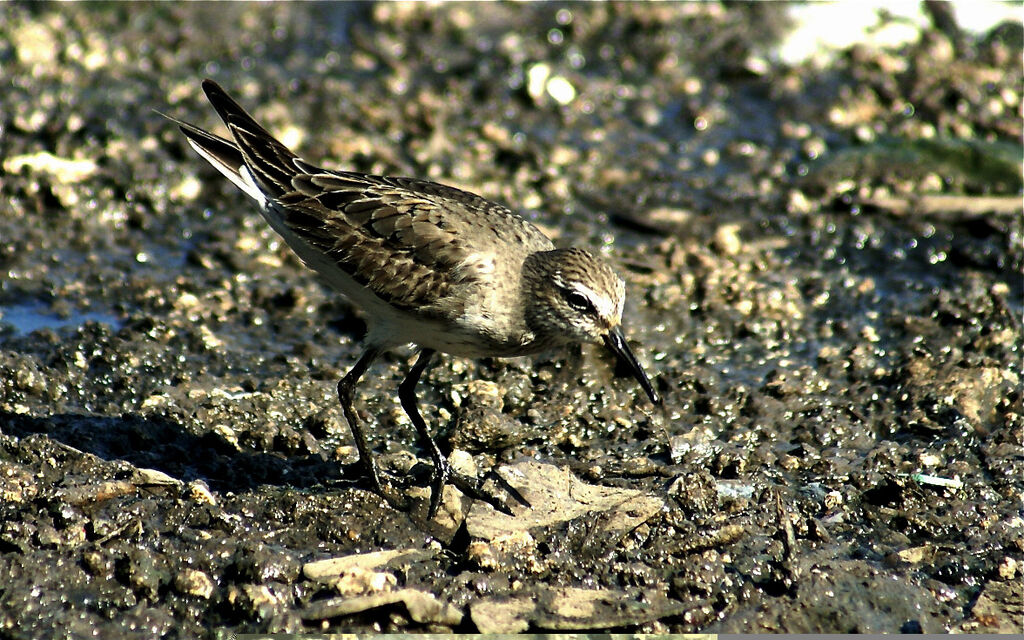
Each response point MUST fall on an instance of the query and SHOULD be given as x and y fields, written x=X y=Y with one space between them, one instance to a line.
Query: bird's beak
x=616 y=343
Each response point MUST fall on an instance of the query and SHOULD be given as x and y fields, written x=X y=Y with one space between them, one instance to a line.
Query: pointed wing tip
x=210 y=85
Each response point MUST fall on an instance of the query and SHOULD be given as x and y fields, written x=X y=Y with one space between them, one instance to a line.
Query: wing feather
x=411 y=242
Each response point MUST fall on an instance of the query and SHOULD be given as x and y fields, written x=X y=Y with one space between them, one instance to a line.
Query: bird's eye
x=578 y=301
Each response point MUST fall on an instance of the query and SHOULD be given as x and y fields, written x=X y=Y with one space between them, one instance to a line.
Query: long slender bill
x=616 y=342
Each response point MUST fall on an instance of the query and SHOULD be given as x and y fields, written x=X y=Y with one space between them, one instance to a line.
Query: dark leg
x=345 y=388
x=407 y=395
x=442 y=470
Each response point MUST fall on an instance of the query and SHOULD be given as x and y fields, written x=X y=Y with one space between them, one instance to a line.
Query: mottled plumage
x=429 y=264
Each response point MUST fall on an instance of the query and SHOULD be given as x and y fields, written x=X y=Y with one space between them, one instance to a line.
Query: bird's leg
x=407 y=395
x=345 y=388
x=443 y=473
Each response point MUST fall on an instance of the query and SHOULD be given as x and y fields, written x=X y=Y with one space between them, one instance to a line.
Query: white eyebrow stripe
x=605 y=307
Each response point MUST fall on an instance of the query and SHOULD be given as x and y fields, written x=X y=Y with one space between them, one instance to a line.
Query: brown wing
x=407 y=240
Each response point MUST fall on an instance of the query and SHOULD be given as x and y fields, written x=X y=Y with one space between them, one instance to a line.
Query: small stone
x=192 y=582
x=1008 y=568
x=561 y=90
x=727 y=239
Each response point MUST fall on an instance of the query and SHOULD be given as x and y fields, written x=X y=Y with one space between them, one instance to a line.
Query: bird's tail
x=256 y=162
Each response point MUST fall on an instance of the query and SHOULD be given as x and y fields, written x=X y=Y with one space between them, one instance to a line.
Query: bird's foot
x=394 y=488
x=443 y=474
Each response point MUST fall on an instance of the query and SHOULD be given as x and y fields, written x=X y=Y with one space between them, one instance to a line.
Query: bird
x=428 y=264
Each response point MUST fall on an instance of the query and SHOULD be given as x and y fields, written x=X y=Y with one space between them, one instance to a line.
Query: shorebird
x=428 y=264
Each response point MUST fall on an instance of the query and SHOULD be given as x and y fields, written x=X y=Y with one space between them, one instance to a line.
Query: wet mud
x=823 y=267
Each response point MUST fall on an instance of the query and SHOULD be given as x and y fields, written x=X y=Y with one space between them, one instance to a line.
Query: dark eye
x=578 y=301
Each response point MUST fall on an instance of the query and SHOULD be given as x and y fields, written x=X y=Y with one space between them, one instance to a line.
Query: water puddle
x=29 y=317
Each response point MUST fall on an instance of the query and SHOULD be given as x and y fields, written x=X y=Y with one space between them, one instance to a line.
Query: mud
x=824 y=275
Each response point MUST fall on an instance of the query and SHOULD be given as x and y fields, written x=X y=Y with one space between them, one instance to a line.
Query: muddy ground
x=823 y=267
